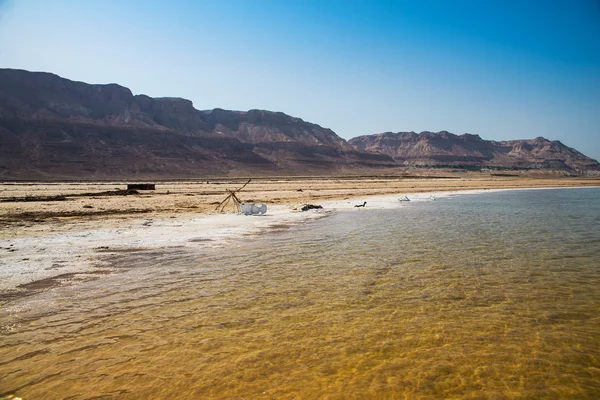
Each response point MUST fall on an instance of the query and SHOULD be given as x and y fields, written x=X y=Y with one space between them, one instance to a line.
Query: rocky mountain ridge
x=447 y=149
x=55 y=128
x=52 y=127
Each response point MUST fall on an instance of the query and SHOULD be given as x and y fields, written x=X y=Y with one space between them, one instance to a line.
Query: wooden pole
x=232 y=197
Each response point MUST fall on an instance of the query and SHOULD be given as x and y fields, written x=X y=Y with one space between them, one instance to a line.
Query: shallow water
x=487 y=296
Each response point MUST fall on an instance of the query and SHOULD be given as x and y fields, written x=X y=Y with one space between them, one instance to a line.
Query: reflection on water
x=490 y=296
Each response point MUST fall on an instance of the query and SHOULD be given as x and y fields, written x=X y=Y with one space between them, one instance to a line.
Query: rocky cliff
x=447 y=149
x=54 y=128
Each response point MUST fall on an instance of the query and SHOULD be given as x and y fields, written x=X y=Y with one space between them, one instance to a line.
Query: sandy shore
x=32 y=205
x=47 y=240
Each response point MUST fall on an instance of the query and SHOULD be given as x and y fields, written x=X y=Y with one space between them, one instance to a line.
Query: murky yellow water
x=416 y=303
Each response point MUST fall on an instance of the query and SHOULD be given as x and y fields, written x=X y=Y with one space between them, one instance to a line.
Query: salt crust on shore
x=75 y=248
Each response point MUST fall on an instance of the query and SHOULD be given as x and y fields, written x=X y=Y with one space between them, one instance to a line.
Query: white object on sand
x=246 y=208
x=253 y=209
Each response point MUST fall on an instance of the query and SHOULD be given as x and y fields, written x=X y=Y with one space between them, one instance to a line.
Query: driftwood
x=232 y=199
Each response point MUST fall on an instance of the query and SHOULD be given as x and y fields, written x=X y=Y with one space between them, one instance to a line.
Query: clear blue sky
x=504 y=69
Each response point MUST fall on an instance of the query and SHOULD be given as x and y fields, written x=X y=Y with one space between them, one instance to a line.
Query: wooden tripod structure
x=233 y=199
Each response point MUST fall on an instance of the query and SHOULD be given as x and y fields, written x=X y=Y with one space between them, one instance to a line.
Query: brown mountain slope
x=446 y=149
x=53 y=128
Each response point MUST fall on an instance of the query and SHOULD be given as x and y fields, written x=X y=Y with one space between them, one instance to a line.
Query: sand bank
x=63 y=250
x=67 y=249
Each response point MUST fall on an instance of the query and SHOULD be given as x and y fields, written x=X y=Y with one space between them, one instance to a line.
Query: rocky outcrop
x=447 y=149
x=54 y=128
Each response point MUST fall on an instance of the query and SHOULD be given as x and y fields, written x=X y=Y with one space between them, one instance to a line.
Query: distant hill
x=54 y=128
x=447 y=149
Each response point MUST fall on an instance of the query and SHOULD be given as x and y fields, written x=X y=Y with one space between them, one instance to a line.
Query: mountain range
x=55 y=128
x=447 y=149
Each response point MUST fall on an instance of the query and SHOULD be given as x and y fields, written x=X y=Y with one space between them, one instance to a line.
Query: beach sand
x=59 y=233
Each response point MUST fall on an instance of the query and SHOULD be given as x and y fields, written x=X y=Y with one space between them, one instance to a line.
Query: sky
x=503 y=69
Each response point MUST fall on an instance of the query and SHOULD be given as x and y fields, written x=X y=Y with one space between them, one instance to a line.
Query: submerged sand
x=58 y=233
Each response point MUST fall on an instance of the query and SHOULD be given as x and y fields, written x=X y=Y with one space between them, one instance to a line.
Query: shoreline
x=32 y=205
x=62 y=253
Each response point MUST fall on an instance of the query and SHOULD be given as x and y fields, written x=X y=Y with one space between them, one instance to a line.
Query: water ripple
x=494 y=296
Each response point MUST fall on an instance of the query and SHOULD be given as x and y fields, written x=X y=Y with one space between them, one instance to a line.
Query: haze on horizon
x=501 y=69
